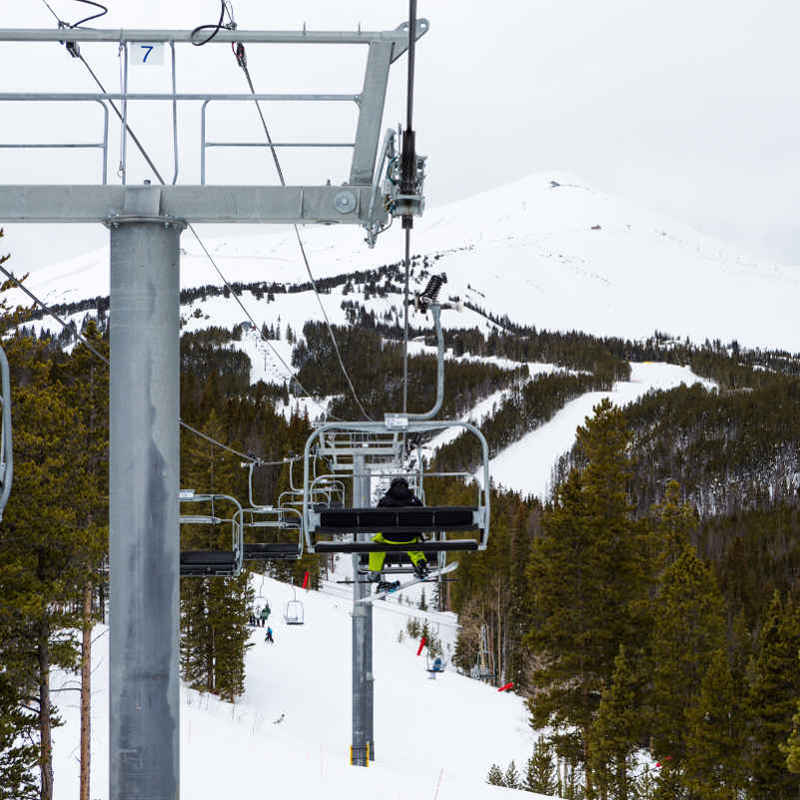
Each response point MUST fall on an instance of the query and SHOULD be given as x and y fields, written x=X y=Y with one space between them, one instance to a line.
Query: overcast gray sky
x=688 y=107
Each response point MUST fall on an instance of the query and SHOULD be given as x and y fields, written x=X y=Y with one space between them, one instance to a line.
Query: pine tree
x=715 y=739
x=44 y=540
x=495 y=776
x=19 y=756
x=792 y=748
x=616 y=732
x=589 y=577
x=775 y=685
x=674 y=522
x=511 y=778
x=539 y=771
x=688 y=629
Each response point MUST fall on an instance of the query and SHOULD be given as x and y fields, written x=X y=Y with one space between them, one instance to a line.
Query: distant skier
x=398 y=496
x=268 y=638
x=265 y=612
x=438 y=665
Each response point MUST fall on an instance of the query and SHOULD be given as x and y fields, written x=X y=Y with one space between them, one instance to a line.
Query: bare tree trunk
x=45 y=728
x=86 y=692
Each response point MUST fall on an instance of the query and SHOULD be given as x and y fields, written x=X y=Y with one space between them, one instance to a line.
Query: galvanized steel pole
x=363 y=736
x=144 y=546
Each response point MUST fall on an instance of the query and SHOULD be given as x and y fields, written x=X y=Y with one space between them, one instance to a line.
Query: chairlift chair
x=6 y=448
x=369 y=439
x=293 y=611
x=212 y=563
x=434 y=665
x=342 y=443
x=270 y=523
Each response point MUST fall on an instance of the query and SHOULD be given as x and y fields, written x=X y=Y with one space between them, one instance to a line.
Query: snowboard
x=432 y=575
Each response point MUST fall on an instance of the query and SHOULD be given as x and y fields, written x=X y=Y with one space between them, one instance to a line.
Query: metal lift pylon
x=145 y=224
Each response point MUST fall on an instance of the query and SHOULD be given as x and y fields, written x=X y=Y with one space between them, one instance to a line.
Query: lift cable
x=241 y=60
x=408 y=156
x=53 y=314
x=94 y=351
x=61 y=23
x=160 y=178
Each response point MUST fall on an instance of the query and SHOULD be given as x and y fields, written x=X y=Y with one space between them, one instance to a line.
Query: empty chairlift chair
x=293 y=611
x=263 y=529
x=213 y=562
x=270 y=533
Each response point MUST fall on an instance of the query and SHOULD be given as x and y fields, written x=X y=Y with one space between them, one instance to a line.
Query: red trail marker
x=421 y=645
x=305 y=580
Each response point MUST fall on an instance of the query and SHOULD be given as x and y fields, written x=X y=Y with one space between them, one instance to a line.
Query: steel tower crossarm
x=195 y=204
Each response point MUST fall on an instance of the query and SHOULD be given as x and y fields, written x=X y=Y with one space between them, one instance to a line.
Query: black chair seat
x=411 y=519
x=198 y=563
x=275 y=551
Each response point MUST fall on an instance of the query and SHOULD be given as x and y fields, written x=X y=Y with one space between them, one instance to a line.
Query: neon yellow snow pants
x=376 y=559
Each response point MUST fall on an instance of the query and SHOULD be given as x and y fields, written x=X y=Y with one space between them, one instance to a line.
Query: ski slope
x=433 y=739
x=526 y=466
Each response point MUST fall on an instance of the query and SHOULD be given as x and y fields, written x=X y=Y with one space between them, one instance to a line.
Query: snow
x=529 y=250
x=444 y=732
x=526 y=466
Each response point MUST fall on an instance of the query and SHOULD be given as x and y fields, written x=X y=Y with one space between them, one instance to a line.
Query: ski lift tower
x=145 y=223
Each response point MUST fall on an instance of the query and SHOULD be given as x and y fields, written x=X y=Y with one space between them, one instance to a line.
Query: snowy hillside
x=434 y=738
x=546 y=251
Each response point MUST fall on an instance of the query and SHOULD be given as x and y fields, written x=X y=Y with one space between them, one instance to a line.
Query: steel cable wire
x=85 y=342
x=160 y=178
x=242 y=61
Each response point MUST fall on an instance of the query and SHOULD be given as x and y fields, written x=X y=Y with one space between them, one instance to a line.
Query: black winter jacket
x=399 y=496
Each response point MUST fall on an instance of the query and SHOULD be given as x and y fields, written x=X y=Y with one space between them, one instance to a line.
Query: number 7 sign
x=147 y=53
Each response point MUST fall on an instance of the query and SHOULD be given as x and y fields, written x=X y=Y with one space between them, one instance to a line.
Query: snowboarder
x=265 y=612
x=268 y=638
x=398 y=496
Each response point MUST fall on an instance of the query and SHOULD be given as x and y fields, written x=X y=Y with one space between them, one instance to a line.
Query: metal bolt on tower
x=145 y=224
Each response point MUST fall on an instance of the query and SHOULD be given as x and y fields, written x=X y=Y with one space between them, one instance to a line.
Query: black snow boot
x=421 y=569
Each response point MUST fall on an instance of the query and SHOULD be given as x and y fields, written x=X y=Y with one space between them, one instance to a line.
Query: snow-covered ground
x=559 y=257
x=526 y=466
x=433 y=738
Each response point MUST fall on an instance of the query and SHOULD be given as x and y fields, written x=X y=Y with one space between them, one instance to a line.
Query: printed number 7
x=149 y=48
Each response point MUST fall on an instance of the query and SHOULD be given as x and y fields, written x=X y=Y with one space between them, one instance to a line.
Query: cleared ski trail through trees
x=527 y=465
